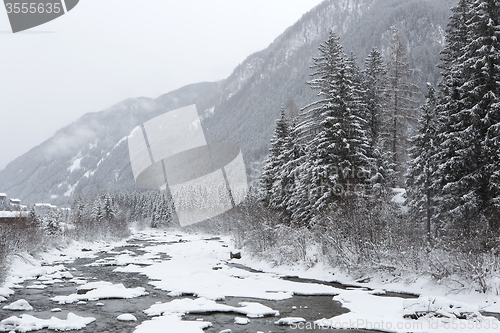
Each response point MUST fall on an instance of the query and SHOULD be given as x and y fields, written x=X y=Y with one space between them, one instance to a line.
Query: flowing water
x=308 y=307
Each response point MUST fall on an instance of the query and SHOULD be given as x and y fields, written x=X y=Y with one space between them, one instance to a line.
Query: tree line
x=365 y=134
x=352 y=139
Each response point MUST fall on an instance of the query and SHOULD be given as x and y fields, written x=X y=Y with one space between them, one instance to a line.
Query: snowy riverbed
x=157 y=281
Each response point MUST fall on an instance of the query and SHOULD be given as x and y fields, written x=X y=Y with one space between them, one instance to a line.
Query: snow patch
x=101 y=290
x=196 y=276
x=20 y=305
x=27 y=323
x=290 y=321
x=203 y=305
x=75 y=163
x=438 y=307
x=126 y=317
x=36 y=286
x=399 y=196
x=71 y=190
x=174 y=324
x=241 y=321
x=208 y=113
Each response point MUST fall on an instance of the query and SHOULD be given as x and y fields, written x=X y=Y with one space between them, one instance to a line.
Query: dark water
x=308 y=307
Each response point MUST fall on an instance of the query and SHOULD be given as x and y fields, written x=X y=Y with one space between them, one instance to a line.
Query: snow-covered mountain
x=91 y=154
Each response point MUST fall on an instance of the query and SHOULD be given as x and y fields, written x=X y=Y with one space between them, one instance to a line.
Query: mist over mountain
x=91 y=154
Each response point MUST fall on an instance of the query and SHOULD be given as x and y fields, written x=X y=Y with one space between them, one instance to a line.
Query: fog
x=102 y=52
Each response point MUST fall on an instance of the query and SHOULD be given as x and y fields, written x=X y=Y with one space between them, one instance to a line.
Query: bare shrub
x=20 y=236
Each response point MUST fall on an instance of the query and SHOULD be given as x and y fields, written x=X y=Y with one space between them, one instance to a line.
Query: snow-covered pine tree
x=399 y=116
x=146 y=205
x=108 y=208
x=97 y=211
x=308 y=183
x=165 y=209
x=492 y=149
x=271 y=195
x=449 y=103
x=419 y=177
x=285 y=187
x=374 y=93
x=155 y=213
x=485 y=47
x=338 y=152
x=470 y=138
x=456 y=39
x=325 y=67
x=51 y=221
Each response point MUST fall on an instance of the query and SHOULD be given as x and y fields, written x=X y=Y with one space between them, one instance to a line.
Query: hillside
x=91 y=154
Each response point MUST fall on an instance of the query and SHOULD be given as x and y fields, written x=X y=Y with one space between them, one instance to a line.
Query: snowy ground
x=161 y=282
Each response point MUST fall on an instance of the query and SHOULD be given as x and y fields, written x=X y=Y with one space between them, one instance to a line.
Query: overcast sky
x=104 y=51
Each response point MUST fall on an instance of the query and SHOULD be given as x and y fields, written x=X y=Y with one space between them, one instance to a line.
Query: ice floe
x=19 y=305
x=27 y=323
x=101 y=290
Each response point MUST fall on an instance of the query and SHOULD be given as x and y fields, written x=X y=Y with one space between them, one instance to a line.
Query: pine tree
x=400 y=111
x=456 y=39
x=449 y=103
x=108 y=208
x=285 y=187
x=306 y=187
x=420 y=180
x=374 y=89
x=326 y=67
x=338 y=151
x=484 y=54
x=52 y=223
x=97 y=210
x=467 y=176
x=469 y=160
x=274 y=162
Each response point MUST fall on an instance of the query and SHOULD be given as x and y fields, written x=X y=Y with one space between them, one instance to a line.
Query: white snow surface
x=290 y=321
x=388 y=314
x=202 y=268
x=101 y=290
x=171 y=324
x=399 y=195
x=13 y=214
x=27 y=323
x=126 y=317
x=241 y=321
x=75 y=163
x=191 y=271
x=19 y=305
x=202 y=305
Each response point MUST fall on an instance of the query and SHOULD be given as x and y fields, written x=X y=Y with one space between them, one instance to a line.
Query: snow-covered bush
x=368 y=238
x=21 y=236
x=52 y=223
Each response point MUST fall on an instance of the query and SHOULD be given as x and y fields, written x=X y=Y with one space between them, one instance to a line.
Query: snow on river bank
x=187 y=283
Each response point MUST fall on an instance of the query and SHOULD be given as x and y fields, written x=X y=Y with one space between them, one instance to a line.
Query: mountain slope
x=255 y=91
x=91 y=154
